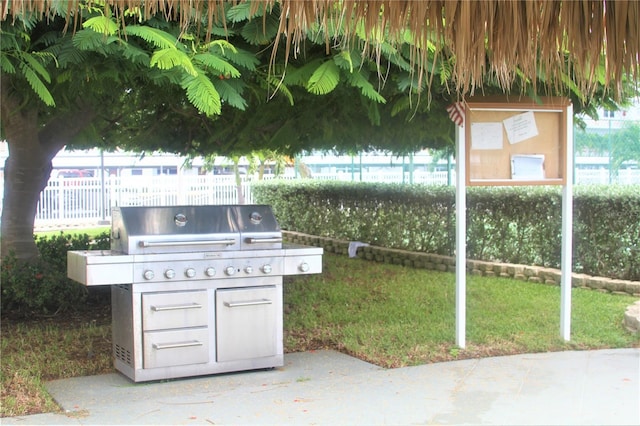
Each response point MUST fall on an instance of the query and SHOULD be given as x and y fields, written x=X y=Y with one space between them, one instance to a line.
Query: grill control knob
x=190 y=272
x=169 y=273
x=266 y=268
x=230 y=270
x=210 y=271
x=304 y=267
x=248 y=269
x=148 y=274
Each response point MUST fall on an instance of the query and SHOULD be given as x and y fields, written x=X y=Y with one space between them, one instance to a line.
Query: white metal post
x=461 y=239
x=567 y=235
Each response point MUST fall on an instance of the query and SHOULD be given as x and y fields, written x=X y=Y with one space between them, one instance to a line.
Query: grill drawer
x=176 y=347
x=168 y=310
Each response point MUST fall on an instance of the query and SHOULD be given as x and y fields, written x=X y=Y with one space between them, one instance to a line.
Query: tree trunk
x=236 y=172
x=26 y=173
x=32 y=147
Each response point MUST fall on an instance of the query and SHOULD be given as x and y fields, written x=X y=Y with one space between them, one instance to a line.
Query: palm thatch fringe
x=590 y=41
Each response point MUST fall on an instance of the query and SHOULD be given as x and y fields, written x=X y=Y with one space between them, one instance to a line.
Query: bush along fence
x=509 y=225
x=442 y=263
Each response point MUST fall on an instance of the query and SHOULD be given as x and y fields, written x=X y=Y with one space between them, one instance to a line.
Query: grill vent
x=122 y=354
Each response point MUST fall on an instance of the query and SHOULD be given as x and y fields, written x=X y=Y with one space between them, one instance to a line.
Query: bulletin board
x=518 y=141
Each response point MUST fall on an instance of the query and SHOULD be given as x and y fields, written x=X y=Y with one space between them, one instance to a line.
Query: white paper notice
x=527 y=167
x=486 y=135
x=520 y=127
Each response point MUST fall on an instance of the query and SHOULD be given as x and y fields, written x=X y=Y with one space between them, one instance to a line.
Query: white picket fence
x=601 y=177
x=87 y=201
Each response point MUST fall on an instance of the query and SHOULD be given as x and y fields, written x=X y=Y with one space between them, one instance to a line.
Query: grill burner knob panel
x=148 y=274
x=190 y=272
x=230 y=270
x=266 y=268
x=169 y=273
x=210 y=271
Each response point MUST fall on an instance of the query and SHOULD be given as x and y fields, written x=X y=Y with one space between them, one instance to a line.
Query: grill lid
x=183 y=229
x=258 y=227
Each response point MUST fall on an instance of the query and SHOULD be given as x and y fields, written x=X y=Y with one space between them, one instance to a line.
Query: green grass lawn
x=396 y=316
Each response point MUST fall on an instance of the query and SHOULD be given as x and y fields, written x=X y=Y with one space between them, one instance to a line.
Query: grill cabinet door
x=246 y=322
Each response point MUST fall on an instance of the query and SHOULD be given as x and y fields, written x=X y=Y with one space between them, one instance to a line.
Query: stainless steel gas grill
x=195 y=289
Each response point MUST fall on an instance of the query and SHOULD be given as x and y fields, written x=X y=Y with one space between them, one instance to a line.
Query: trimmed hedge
x=520 y=225
x=42 y=286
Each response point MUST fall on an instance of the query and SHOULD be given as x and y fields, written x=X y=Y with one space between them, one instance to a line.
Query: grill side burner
x=195 y=289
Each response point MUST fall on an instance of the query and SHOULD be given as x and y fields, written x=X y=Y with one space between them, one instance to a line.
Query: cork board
x=518 y=142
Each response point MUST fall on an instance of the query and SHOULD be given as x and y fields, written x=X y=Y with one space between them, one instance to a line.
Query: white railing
x=422 y=177
x=84 y=200
x=78 y=201
x=601 y=176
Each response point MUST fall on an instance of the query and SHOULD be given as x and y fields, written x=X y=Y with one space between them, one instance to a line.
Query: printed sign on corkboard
x=516 y=141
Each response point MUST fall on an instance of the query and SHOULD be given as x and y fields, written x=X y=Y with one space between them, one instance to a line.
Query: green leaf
x=36 y=66
x=135 y=54
x=572 y=86
x=6 y=66
x=276 y=83
x=240 y=57
x=240 y=12
x=324 y=79
x=92 y=41
x=160 y=39
x=299 y=76
x=217 y=64
x=221 y=45
x=358 y=80
x=202 y=93
x=70 y=55
x=373 y=112
x=37 y=85
x=230 y=93
x=402 y=104
x=258 y=32
x=166 y=59
x=344 y=60
x=410 y=83
x=101 y=24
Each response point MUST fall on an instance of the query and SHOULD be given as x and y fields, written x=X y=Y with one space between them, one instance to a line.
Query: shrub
x=41 y=286
x=504 y=224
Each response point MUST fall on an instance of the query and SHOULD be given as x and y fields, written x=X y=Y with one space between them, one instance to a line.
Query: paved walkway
x=330 y=388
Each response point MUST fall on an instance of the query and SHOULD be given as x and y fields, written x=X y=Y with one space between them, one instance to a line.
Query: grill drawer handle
x=264 y=240
x=176 y=345
x=248 y=303
x=175 y=307
x=186 y=243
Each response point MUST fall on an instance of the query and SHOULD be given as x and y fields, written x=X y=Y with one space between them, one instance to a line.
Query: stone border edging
x=438 y=262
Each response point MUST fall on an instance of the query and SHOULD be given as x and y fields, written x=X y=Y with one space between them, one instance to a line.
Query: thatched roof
x=568 y=37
